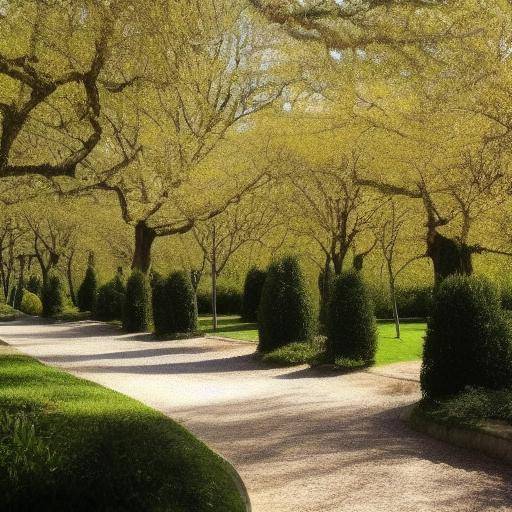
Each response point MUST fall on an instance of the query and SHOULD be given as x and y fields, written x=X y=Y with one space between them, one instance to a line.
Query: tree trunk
x=214 y=279
x=448 y=257
x=69 y=272
x=396 y=318
x=144 y=238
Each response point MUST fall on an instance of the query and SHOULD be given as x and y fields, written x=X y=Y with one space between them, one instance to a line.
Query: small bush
x=308 y=352
x=468 y=340
x=351 y=324
x=88 y=290
x=34 y=285
x=412 y=301
x=110 y=300
x=182 y=316
x=286 y=312
x=252 y=294
x=137 y=303
x=31 y=304
x=52 y=296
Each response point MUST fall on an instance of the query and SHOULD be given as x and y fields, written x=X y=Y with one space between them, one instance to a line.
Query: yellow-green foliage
x=31 y=304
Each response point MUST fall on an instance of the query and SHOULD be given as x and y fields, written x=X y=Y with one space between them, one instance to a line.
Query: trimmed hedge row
x=229 y=301
x=253 y=287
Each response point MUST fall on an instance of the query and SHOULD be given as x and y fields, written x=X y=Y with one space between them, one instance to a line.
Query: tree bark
x=144 y=238
x=214 y=278
x=448 y=256
x=396 y=318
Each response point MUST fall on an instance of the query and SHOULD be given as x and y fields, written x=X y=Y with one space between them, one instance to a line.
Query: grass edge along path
x=108 y=451
x=390 y=350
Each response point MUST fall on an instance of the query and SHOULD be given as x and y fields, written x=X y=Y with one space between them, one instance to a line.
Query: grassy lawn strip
x=390 y=350
x=95 y=449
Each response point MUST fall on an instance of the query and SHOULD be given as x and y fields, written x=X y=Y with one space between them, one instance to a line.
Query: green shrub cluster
x=468 y=341
x=253 y=286
x=286 y=312
x=110 y=300
x=412 y=301
x=12 y=296
x=52 y=296
x=87 y=293
x=137 y=303
x=351 y=323
x=325 y=282
x=18 y=297
x=31 y=304
x=229 y=301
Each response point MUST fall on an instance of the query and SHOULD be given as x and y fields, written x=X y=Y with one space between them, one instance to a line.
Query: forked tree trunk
x=448 y=256
x=144 y=238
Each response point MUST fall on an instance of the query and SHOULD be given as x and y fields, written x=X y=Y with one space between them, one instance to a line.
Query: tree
x=207 y=74
x=52 y=100
x=52 y=295
x=248 y=222
x=388 y=235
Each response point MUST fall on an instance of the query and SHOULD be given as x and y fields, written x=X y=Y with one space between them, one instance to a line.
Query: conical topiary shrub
x=88 y=290
x=18 y=297
x=285 y=312
x=351 y=323
x=325 y=282
x=110 y=300
x=52 y=296
x=137 y=303
x=183 y=302
x=253 y=287
x=468 y=340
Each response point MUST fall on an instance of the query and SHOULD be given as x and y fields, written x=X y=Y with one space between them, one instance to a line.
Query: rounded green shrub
x=110 y=300
x=161 y=305
x=351 y=323
x=137 y=303
x=52 y=296
x=34 y=285
x=182 y=302
x=325 y=281
x=285 y=312
x=31 y=304
x=468 y=341
x=253 y=286
x=88 y=290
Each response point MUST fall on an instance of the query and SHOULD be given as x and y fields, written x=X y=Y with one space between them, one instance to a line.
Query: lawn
x=95 y=449
x=390 y=350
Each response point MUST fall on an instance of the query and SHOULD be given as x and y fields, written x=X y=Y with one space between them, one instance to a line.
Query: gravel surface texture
x=302 y=440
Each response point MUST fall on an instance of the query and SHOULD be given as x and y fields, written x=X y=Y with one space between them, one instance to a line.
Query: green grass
x=72 y=314
x=109 y=451
x=230 y=327
x=296 y=353
x=389 y=350
x=408 y=348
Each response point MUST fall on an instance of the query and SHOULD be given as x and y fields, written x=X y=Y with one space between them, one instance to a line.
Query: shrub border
x=483 y=439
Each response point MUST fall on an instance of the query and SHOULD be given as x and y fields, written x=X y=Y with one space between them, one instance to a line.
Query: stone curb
x=484 y=440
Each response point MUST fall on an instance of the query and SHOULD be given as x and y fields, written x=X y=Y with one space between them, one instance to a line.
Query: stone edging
x=483 y=440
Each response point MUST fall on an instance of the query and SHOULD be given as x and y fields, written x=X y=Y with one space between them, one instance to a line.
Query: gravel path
x=303 y=441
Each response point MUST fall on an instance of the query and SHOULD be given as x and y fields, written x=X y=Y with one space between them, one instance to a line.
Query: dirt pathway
x=302 y=441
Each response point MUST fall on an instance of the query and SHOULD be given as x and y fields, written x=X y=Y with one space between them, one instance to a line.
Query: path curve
x=302 y=441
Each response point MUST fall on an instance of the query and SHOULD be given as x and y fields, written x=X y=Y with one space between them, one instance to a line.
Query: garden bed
x=476 y=419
